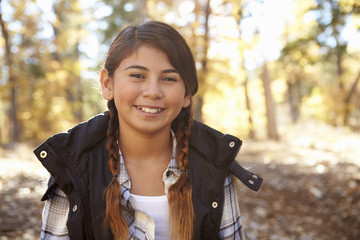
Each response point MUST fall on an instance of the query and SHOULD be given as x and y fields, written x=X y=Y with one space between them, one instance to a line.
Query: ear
x=187 y=101
x=106 y=85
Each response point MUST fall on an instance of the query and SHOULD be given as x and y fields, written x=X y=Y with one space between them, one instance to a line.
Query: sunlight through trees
x=51 y=53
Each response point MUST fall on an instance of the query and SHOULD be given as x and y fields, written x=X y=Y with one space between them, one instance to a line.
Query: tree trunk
x=13 y=114
x=348 y=99
x=248 y=107
x=198 y=103
x=143 y=11
x=294 y=98
x=204 y=64
x=246 y=79
x=343 y=105
x=247 y=101
x=270 y=107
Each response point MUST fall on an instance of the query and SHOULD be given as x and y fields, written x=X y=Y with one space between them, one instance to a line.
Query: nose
x=152 y=90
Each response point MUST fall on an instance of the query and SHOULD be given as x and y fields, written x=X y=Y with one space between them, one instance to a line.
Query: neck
x=141 y=147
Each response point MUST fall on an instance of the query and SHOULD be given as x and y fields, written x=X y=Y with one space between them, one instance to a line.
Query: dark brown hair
x=167 y=39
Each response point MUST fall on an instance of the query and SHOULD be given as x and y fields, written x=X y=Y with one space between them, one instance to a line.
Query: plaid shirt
x=56 y=209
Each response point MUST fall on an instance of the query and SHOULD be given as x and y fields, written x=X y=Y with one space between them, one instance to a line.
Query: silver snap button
x=232 y=144
x=43 y=154
x=251 y=181
x=74 y=208
x=214 y=204
x=254 y=176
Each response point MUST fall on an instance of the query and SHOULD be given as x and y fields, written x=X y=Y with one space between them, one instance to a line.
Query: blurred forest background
x=281 y=74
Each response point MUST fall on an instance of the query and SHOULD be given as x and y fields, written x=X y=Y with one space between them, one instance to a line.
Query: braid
x=112 y=136
x=113 y=213
x=180 y=193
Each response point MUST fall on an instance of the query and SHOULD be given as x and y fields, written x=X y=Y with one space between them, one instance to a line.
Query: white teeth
x=150 y=110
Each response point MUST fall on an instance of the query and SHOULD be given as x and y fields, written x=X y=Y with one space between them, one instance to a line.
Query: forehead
x=147 y=56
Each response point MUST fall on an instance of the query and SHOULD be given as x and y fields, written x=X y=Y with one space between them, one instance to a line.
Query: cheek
x=177 y=99
x=125 y=93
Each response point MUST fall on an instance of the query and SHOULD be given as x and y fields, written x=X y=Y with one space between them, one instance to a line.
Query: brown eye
x=136 y=75
x=169 y=79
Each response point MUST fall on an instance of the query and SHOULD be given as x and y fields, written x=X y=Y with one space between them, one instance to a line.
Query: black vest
x=77 y=161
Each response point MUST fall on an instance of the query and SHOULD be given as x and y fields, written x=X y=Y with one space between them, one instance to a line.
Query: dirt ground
x=311 y=187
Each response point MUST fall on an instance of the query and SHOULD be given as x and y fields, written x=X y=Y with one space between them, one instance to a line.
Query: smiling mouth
x=150 y=110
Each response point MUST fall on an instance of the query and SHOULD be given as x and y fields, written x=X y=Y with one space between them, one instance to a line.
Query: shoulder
x=214 y=153
x=210 y=155
x=213 y=144
x=67 y=153
x=77 y=140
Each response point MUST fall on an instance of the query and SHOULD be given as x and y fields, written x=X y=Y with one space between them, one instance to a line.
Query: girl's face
x=148 y=91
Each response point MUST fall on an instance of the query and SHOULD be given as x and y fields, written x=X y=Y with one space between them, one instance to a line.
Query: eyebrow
x=171 y=70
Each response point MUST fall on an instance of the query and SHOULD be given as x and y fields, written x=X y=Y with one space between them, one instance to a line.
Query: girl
x=144 y=169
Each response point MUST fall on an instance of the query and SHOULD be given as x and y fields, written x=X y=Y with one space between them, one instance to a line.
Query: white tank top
x=157 y=207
